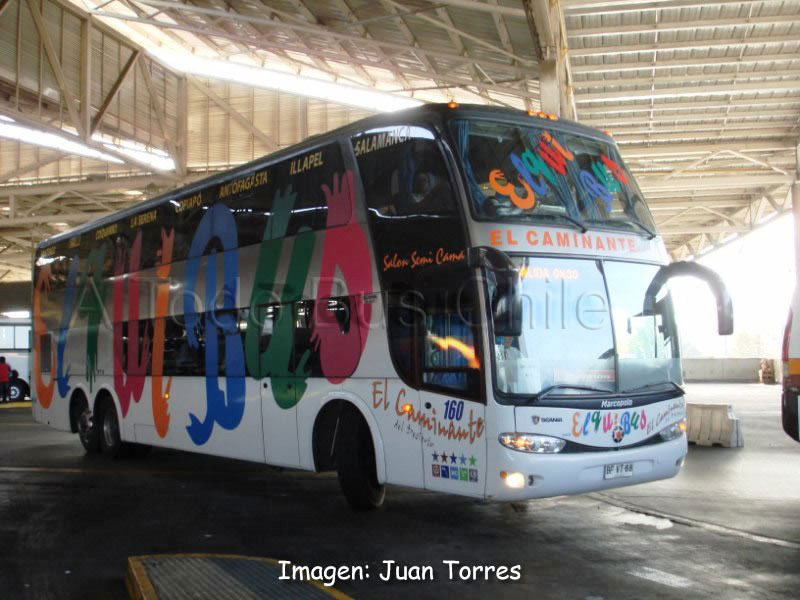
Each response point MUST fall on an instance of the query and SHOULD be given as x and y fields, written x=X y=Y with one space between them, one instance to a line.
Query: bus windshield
x=531 y=174
x=585 y=332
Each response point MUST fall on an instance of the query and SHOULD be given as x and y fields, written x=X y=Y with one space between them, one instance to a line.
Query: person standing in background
x=5 y=372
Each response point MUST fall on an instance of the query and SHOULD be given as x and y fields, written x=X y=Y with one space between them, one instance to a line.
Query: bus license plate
x=620 y=470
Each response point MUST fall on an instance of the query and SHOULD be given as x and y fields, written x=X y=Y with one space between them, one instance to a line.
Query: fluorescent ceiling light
x=51 y=140
x=17 y=314
x=285 y=82
x=157 y=159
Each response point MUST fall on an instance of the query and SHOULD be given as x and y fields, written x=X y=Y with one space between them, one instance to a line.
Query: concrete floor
x=728 y=525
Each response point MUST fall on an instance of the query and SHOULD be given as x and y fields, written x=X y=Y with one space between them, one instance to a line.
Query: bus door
x=278 y=385
x=420 y=243
x=454 y=451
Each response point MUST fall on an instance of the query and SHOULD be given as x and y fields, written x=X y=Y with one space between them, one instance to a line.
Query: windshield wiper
x=581 y=225
x=640 y=388
x=646 y=229
x=577 y=222
x=567 y=386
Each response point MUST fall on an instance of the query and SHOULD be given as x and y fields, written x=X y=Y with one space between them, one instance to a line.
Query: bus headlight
x=533 y=443
x=674 y=431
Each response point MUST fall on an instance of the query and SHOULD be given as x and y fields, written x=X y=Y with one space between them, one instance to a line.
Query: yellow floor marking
x=15 y=405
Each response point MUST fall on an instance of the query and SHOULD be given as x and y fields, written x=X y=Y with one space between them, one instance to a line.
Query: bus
x=790 y=398
x=462 y=299
x=15 y=347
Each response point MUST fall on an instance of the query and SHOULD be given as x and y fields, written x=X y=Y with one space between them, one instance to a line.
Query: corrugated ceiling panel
x=8 y=42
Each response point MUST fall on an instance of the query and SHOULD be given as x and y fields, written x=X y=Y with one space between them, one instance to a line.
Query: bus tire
x=16 y=391
x=107 y=423
x=355 y=462
x=83 y=422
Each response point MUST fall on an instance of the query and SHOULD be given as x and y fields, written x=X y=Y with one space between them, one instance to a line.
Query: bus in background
x=468 y=300
x=15 y=346
x=790 y=399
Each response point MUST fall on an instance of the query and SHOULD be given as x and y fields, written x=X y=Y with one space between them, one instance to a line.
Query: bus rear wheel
x=88 y=432
x=110 y=439
x=111 y=444
x=355 y=462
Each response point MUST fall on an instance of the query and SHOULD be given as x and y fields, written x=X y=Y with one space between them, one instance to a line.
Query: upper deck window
x=535 y=174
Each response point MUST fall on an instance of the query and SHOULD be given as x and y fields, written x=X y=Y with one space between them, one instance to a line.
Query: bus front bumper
x=546 y=475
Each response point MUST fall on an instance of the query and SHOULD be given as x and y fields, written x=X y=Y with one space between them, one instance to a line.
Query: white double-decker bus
x=462 y=299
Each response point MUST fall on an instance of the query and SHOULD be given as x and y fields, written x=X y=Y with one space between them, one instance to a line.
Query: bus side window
x=179 y=357
x=305 y=356
x=227 y=323
x=304 y=360
x=6 y=337
x=404 y=321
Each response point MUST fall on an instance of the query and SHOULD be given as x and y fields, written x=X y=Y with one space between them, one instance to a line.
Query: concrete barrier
x=740 y=370
x=713 y=425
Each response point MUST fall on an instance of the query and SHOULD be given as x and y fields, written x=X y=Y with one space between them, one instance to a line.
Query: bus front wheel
x=355 y=462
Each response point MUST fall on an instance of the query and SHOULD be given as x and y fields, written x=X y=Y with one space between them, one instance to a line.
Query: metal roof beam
x=80 y=217
x=686 y=45
x=707 y=61
x=308 y=29
x=450 y=28
x=685 y=79
x=699 y=183
x=629 y=108
x=55 y=63
x=733 y=128
x=268 y=141
x=657 y=206
x=158 y=108
x=647 y=150
x=593 y=7
x=703 y=229
x=98 y=118
x=44 y=202
x=661 y=26
x=492 y=8
x=457 y=81
x=659 y=121
x=51 y=158
x=122 y=184
x=700 y=90
x=707 y=137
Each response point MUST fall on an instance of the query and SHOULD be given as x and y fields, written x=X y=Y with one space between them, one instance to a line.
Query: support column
x=549 y=37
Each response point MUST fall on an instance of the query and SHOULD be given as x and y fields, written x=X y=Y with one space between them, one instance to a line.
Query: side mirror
x=693 y=269
x=507 y=302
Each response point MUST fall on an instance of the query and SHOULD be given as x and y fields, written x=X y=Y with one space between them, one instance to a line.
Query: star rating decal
x=448 y=470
